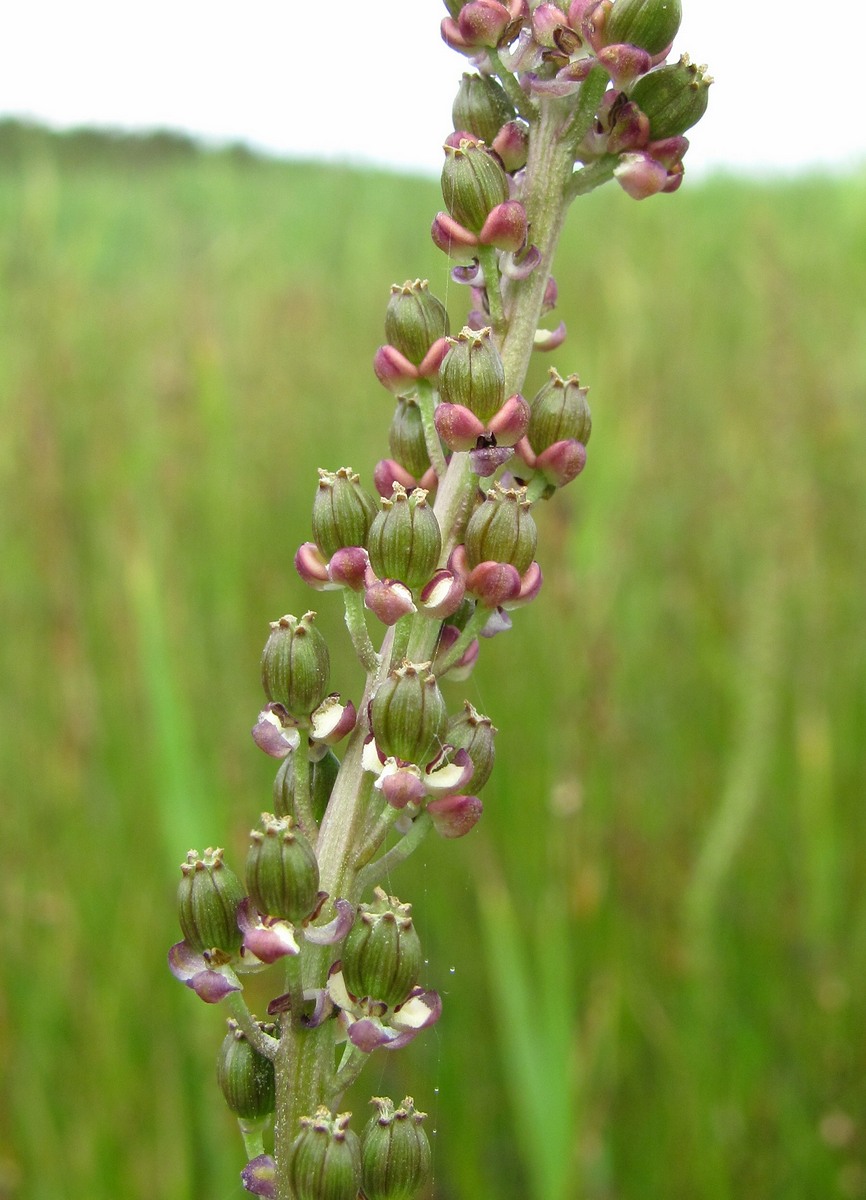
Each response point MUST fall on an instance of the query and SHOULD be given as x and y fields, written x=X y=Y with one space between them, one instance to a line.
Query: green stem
x=402 y=630
x=492 y=278
x=249 y=1027
x=377 y=834
x=548 y=171
x=586 y=179
x=515 y=93
x=374 y=871
x=303 y=801
x=470 y=631
x=425 y=397
x=253 y=1134
x=351 y=1066
x=356 y=623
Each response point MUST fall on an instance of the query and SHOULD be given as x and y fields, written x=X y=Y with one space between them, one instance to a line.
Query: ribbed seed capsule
x=473 y=184
x=650 y=24
x=342 y=511
x=208 y=896
x=296 y=664
x=409 y=714
x=559 y=412
x=404 y=541
x=414 y=319
x=474 y=733
x=395 y=1151
x=502 y=529
x=325 y=1159
x=406 y=438
x=481 y=107
x=323 y=776
x=245 y=1077
x=282 y=872
x=382 y=955
x=472 y=373
x=674 y=98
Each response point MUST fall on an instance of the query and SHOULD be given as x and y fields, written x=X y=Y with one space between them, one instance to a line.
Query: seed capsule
x=404 y=540
x=245 y=1077
x=382 y=956
x=481 y=107
x=325 y=1159
x=473 y=184
x=559 y=412
x=296 y=664
x=208 y=896
x=414 y=319
x=650 y=24
x=472 y=374
x=282 y=873
x=342 y=511
x=409 y=714
x=502 y=530
x=395 y=1151
x=673 y=98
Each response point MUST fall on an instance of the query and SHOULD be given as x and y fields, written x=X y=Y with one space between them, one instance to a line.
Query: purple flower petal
x=334 y=931
x=259 y=1176
x=210 y=981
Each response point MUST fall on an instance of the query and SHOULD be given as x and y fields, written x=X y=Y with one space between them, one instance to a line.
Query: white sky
x=373 y=82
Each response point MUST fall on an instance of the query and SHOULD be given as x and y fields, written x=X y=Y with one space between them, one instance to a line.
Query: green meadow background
x=653 y=948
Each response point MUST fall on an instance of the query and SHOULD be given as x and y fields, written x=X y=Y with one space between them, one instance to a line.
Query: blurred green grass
x=658 y=934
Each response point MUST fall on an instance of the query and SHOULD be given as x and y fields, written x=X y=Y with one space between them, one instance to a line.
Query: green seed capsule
x=481 y=107
x=325 y=1159
x=502 y=530
x=473 y=184
x=296 y=665
x=342 y=511
x=472 y=374
x=559 y=412
x=208 y=896
x=414 y=319
x=382 y=956
x=474 y=733
x=395 y=1151
x=282 y=872
x=404 y=541
x=245 y=1077
x=406 y=437
x=409 y=714
x=674 y=98
x=650 y=24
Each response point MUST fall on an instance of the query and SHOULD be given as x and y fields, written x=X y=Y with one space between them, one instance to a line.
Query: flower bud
x=323 y=776
x=207 y=899
x=409 y=714
x=502 y=530
x=650 y=24
x=382 y=955
x=395 y=1151
x=472 y=374
x=342 y=511
x=404 y=540
x=673 y=98
x=325 y=1159
x=559 y=411
x=481 y=107
x=296 y=664
x=473 y=733
x=406 y=438
x=414 y=319
x=473 y=184
x=245 y=1077
x=282 y=873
